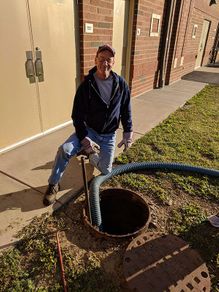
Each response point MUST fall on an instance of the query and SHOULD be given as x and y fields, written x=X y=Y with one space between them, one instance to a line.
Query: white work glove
x=126 y=141
x=89 y=146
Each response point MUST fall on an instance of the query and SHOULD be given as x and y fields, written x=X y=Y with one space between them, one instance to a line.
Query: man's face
x=104 y=62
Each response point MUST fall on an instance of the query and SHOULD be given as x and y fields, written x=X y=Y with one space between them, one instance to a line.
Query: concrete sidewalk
x=31 y=163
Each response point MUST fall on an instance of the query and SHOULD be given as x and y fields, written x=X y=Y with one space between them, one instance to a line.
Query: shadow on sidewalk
x=30 y=199
x=205 y=77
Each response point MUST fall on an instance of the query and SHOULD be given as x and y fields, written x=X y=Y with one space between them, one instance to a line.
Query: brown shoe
x=50 y=194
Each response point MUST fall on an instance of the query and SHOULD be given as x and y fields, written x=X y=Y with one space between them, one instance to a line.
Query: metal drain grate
x=157 y=262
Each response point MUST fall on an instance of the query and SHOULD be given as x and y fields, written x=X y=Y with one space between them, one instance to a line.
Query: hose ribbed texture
x=97 y=181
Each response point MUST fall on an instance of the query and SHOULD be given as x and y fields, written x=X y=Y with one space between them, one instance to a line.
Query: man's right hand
x=89 y=146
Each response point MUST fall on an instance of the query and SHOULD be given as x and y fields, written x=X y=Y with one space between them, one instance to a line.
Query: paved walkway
x=25 y=170
x=205 y=74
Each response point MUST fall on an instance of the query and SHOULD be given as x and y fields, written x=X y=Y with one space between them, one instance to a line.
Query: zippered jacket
x=89 y=109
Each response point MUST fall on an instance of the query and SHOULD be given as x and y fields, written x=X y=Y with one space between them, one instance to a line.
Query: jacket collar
x=90 y=78
x=94 y=69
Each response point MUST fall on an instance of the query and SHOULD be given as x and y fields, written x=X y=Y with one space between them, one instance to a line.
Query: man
x=101 y=102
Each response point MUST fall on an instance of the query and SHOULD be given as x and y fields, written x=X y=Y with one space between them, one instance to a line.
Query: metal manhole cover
x=157 y=262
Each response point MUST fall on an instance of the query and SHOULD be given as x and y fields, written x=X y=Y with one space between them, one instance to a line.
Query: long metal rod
x=86 y=187
x=61 y=263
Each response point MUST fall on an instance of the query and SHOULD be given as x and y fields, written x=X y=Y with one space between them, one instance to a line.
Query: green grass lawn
x=180 y=201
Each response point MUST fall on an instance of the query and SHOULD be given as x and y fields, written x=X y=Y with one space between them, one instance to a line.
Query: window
x=155 y=25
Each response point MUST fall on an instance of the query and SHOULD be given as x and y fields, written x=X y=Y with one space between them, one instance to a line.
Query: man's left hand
x=126 y=141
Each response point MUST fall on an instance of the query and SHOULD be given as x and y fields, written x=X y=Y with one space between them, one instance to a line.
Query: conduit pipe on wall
x=94 y=197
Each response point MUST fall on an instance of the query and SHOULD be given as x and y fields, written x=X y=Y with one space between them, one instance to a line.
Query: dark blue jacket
x=90 y=110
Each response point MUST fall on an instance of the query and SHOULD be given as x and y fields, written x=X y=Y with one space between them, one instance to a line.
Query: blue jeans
x=72 y=146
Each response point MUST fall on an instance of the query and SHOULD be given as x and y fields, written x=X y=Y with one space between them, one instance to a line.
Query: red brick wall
x=100 y=14
x=185 y=46
x=144 y=48
x=199 y=11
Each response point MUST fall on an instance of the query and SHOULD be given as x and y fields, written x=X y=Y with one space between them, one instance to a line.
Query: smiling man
x=101 y=102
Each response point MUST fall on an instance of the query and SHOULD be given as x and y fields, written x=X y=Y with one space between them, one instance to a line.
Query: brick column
x=99 y=13
x=144 y=47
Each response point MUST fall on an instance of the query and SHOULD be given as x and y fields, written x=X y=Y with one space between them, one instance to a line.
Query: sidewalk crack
x=20 y=181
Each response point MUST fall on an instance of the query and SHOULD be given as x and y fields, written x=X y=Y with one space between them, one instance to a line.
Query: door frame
x=129 y=40
x=16 y=143
x=203 y=39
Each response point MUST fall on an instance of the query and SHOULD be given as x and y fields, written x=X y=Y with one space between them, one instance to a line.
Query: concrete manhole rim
x=132 y=235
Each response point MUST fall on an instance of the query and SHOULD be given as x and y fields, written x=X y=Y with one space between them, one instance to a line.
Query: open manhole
x=124 y=213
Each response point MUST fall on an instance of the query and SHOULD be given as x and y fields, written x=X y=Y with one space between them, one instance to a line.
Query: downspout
x=166 y=36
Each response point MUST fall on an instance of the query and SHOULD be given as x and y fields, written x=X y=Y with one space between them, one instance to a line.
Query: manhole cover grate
x=157 y=262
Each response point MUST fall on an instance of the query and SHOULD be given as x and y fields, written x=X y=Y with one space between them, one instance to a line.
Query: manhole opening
x=123 y=211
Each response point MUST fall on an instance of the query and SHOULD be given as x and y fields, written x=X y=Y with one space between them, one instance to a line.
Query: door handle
x=29 y=67
x=39 y=65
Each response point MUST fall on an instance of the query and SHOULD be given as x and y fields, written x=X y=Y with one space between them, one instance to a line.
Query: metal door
x=38 y=36
x=53 y=29
x=120 y=34
x=19 y=103
x=215 y=48
x=202 y=43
